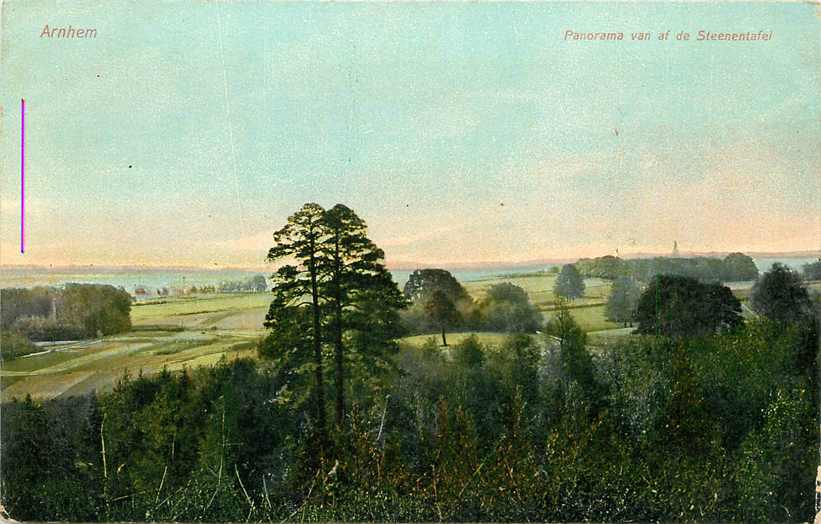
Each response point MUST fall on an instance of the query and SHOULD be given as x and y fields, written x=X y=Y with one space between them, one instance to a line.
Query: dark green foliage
x=720 y=428
x=339 y=292
x=569 y=283
x=360 y=299
x=507 y=308
x=780 y=295
x=570 y=364
x=76 y=311
x=423 y=282
x=608 y=267
x=676 y=306
x=50 y=460
x=19 y=303
x=296 y=288
x=97 y=309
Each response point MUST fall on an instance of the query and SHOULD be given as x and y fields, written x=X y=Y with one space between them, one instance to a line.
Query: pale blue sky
x=461 y=132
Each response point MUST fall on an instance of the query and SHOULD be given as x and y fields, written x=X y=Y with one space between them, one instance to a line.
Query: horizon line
x=410 y=265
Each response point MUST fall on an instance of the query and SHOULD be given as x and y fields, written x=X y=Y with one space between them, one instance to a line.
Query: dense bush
x=13 y=345
x=717 y=428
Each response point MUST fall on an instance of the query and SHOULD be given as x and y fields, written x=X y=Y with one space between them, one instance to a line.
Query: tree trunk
x=317 y=340
x=338 y=349
x=444 y=340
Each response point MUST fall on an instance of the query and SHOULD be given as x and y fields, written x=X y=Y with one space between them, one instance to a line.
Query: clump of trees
x=507 y=308
x=72 y=312
x=676 y=306
x=780 y=295
x=13 y=345
x=332 y=296
x=255 y=284
x=439 y=303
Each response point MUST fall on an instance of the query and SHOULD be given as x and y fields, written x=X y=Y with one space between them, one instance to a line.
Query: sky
x=185 y=133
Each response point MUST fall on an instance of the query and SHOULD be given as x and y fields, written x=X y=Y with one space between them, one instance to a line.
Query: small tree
x=780 y=295
x=441 y=310
x=569 y=283
x=624 y=297
x=738 y=266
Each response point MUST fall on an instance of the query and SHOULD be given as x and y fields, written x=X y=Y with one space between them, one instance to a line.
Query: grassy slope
x=588 y=311
x=179 y=333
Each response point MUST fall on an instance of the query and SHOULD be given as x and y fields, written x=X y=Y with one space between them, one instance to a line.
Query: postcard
x=409 y=261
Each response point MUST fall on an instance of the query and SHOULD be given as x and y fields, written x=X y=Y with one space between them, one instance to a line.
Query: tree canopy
x=335 y=292
x=780 y=295
x=622 y=302
x=569 y=283
x=442 y=311
x=507 y=308
x=423 y=282
x=677 y=306
x=738 y=266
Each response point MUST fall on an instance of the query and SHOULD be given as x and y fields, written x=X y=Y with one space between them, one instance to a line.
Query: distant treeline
x=255 y=284
x=73 y=312
x=732 y=268
x=812 y=271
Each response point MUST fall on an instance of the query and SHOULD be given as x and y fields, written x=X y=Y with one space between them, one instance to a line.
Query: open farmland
x=172 y=334
x=588 y=311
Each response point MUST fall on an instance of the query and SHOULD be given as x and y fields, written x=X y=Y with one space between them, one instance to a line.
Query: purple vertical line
x=22 y=175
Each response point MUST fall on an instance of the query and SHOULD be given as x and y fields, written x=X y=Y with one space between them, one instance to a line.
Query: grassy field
x=588 y=311
x=185 y=332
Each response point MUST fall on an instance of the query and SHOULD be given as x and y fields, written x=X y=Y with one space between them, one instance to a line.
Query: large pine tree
x=297 y=304
x=333 y=290
x=360 y=293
